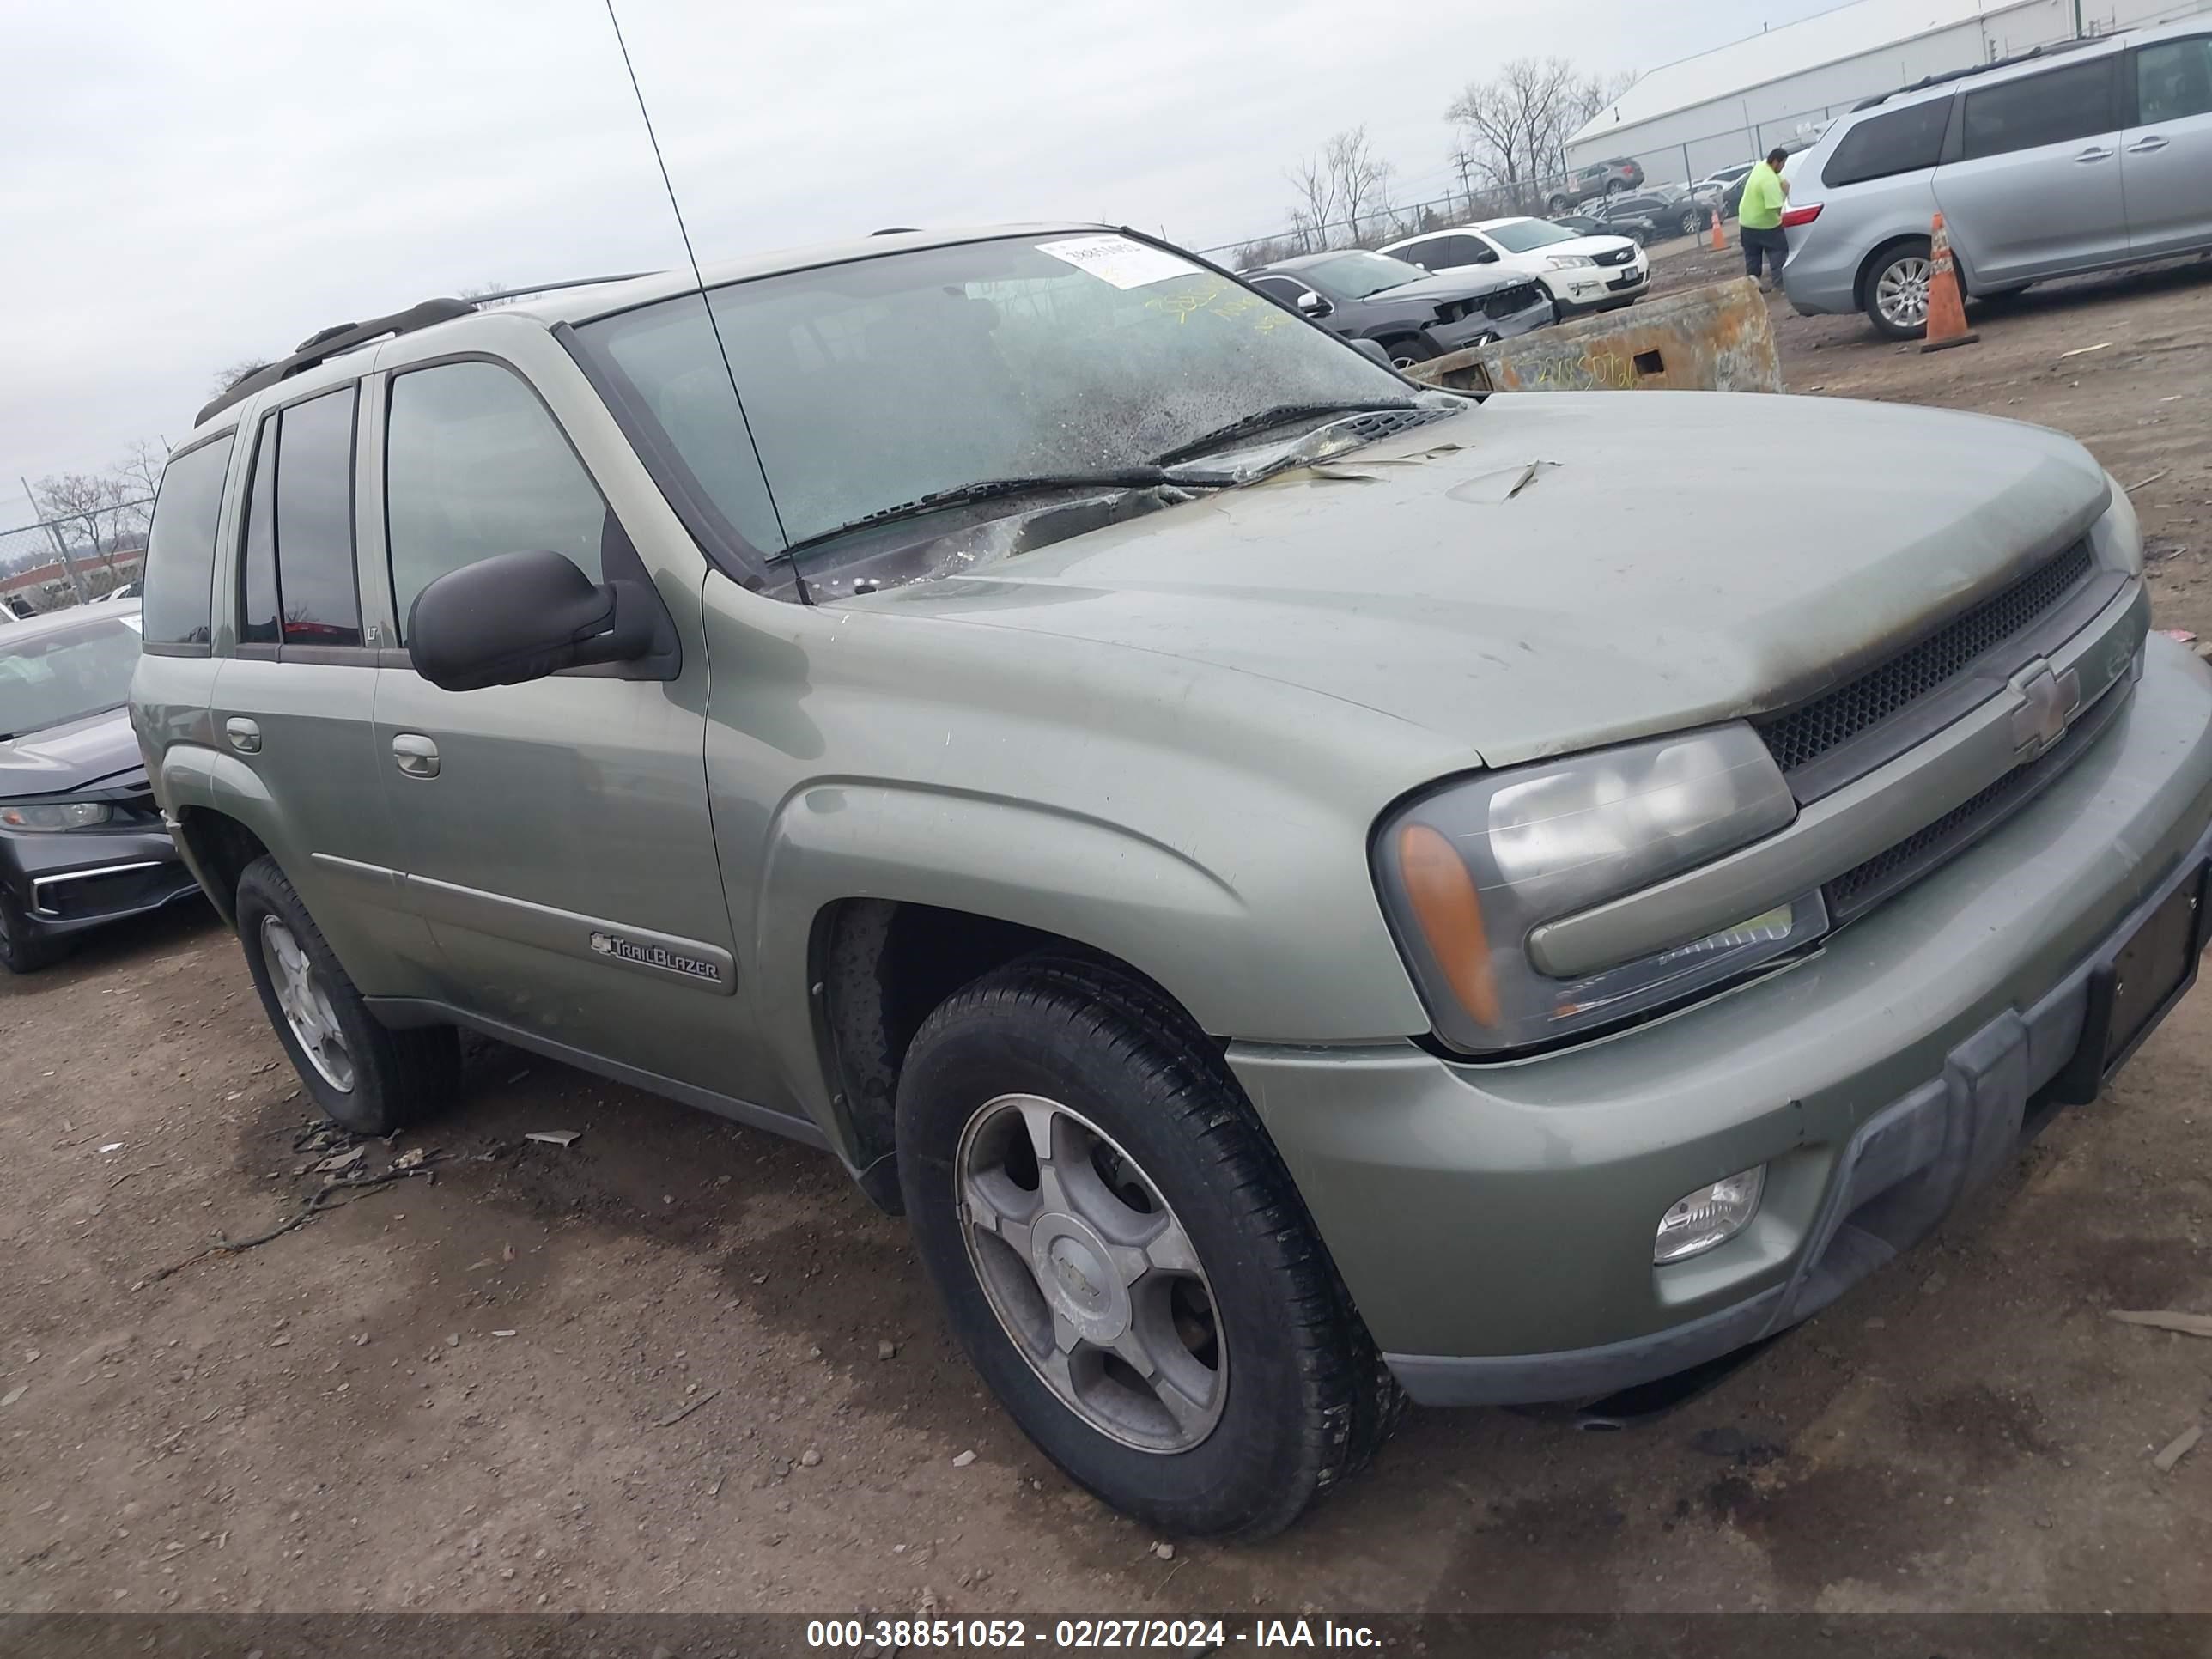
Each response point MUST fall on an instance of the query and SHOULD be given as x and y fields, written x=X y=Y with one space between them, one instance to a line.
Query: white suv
x=1581 y=273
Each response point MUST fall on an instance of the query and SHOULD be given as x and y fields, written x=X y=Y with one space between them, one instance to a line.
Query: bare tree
x=93 y=502
x=480 y=293
x=142 y=467
x=1515 y=126
x=1344 y=192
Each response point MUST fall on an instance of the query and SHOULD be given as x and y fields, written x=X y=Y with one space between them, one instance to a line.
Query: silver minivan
x=2071 y=158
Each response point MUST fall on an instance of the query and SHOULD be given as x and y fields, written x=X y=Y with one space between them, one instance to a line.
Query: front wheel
x=1124 y=1257
x=1409 y=351
x=22 y=950
x=366 y=1077
x=1896 y=292
x=1691 y=222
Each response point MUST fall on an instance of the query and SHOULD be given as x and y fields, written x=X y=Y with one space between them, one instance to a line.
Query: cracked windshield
x=1061 y=354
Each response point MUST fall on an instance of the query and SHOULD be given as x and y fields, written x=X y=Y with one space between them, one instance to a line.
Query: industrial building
x=1738 y=101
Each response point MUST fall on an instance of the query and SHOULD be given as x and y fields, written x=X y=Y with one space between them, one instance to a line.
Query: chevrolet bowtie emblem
x=2051 y=700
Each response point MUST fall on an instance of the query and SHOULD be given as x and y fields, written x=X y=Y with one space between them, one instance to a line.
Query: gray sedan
x=1412 y=315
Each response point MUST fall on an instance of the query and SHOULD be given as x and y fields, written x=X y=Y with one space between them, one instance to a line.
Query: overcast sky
x=184 y=186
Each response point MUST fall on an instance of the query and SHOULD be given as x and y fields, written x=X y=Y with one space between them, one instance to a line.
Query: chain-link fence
x=58 y=562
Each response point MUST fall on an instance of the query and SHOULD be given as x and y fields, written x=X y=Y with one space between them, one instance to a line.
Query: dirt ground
x=682 y=1366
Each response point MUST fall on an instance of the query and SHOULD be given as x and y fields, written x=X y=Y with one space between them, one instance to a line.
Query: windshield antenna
x=683 y=230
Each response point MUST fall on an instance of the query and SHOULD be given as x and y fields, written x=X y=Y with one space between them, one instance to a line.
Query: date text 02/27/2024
x=1067 y=1635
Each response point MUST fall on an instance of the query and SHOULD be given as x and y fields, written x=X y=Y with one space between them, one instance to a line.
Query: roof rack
x=2052 y=50
x=340 y=338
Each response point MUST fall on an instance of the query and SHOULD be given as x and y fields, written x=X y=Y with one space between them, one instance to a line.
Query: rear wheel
x=22 y=950
x=1124 y=1257
x=1692 y=222
x=1409 y=349
x=368 y=1079
x=1897 y=291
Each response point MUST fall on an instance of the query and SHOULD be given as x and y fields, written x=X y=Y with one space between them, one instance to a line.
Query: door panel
x=555 y=835
x=2166 y=160
x=302 y=731
x=562 y=856
x=2037 y=189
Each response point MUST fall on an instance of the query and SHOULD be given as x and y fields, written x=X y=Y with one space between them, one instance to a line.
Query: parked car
x=2087 y=156
x=1607 y=177
x=82 y=843
x=1579 y=272
x=1292 y=917
x=1659 y=217
x=1726 y=184
x=1411 y=314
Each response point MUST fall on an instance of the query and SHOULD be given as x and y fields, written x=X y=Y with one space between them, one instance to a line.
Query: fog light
x=1712 y=1215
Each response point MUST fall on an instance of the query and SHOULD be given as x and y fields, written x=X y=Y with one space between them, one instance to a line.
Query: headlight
x=1466 y=873
x=55 y=815
x=2116 y=537
x=1568 y=261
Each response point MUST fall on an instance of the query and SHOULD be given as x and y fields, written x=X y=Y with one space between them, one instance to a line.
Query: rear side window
x=315 y=577
x=2173 y=80
x=258 y=571
x=2051 y=109
x=1896 y=141
x=180 y=600
x=474 y=467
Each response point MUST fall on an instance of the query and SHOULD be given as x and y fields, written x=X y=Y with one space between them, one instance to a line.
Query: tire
x=1691 y=223
x=1615 y=187
x=1897 y=275
x=366 y=1077
x=22 y=951
x=1408 y=349
x=1294 y=1397
x=1558 y=203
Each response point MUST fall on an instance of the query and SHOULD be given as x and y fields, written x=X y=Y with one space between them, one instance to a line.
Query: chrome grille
x=1804 y=733
x=1619 y=256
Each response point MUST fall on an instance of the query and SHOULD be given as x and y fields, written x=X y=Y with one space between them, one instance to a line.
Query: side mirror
x=523 y=615
x=1374 y=348
x=1313 y=305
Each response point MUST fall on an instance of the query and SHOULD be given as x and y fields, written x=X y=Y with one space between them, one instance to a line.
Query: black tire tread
x=414 y=1071
x=1353 y=1401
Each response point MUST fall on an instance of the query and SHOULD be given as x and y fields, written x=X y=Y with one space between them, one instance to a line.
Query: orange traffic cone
x=1947 y=315
x=1720 y=242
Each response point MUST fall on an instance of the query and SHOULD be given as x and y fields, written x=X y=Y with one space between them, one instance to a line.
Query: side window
x=1281 y=290
x=2173 y=80
x=258 y=620
x=315 y=578
x=474 y=467
x=1429 y=255
x=1473 y=251
x=179 y=603
x=2051 y=109
x=1896 y=141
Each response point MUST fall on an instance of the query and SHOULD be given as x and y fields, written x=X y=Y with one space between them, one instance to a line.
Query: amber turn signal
x=1442 y=893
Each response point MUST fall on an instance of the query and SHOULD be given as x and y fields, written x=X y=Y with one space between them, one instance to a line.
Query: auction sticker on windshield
x=1118 y=260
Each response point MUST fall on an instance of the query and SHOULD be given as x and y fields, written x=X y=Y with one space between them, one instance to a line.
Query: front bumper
x=1601 y=287
x=78 y=879
x=1482 y=330
x=1494 y=1224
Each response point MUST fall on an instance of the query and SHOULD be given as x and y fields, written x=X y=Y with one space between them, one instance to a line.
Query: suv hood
x=1754 y=549
x=79 y=754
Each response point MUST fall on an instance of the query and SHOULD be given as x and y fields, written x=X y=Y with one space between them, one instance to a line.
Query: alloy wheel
x=307 y=1004
x=1090 y=1274
x=1901 y=293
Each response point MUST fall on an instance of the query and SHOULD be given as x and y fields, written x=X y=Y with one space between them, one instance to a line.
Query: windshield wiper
x=1120 y=477
x=1281 y=415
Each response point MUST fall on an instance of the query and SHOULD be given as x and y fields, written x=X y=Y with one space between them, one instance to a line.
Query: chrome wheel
x=1901 y=293
x=306 y=1005
x=1090 y=1274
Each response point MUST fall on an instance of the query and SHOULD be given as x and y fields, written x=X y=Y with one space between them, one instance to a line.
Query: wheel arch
x=877 y=968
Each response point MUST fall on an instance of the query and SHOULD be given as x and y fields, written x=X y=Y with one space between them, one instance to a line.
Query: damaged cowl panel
x=1545 y=574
